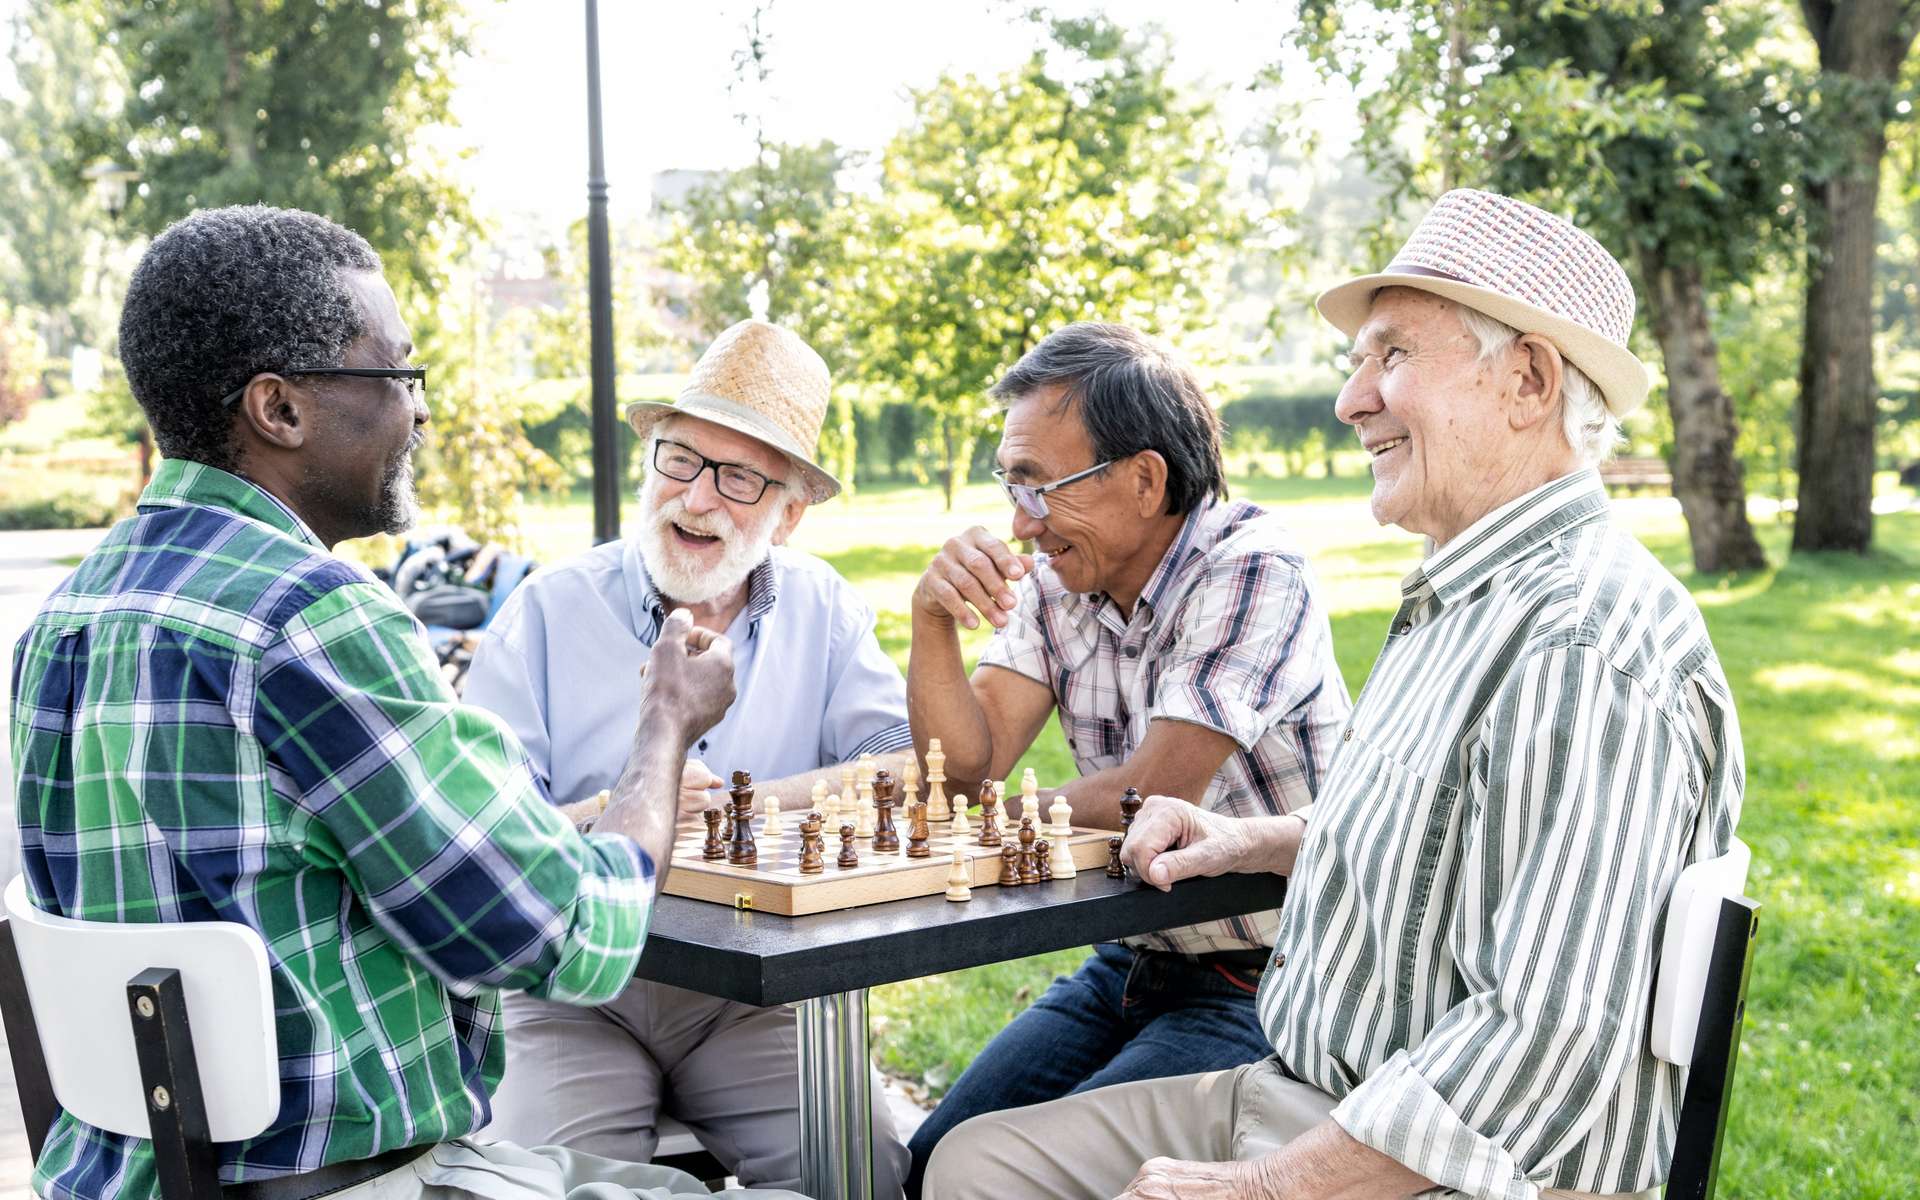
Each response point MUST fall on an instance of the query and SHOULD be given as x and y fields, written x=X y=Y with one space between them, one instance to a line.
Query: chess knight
x=1181 y=639
x=730 y=474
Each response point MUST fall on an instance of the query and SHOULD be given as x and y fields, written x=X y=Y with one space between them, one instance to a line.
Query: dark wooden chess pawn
x=741 y=850
x=1115 y=868
x=812 y=851
x=848 y=856
x=1010 y=866
x=917 y=832
x=886 y=793
x=715 y=849
x=1029 y=869
x=989 y=824
x=1130 y=803
x=1043 y=860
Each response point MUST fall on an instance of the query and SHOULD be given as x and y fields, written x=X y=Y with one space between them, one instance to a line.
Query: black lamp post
x=606 y=469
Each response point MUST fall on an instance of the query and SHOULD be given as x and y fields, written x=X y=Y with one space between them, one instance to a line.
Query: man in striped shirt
x=1181 y=640
x=216 y=719
x=1459 y=996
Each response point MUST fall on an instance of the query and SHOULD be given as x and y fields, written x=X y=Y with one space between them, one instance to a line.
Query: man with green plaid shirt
x=217 y=719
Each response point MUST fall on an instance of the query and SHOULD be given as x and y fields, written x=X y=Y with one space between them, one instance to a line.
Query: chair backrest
x=77 y=974
x=1686 y=953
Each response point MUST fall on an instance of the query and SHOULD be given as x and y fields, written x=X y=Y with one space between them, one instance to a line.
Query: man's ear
x=796 y=508
x=1147 y=474
x=274 y=412
x=1535 y=382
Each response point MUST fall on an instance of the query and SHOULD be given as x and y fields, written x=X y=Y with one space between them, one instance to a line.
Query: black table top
x=763 y=958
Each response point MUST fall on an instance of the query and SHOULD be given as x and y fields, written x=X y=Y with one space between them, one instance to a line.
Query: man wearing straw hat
x=730 y=474
x=1459 y=991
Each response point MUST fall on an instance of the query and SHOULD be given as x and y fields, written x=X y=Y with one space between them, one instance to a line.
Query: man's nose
x=1358 y=399
x=703 y=494
x=1026 y=526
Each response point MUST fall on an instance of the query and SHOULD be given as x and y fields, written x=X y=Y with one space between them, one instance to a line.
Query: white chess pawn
x=960 y=878
x=959 y=827
x=829 y=810
x=863 y=811
x=771 y=827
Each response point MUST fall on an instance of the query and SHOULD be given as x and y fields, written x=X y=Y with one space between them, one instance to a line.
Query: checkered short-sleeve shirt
x=1229 y=633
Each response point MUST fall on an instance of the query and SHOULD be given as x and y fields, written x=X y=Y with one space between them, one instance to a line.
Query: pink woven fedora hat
x=1521 y=265
x=762 y=380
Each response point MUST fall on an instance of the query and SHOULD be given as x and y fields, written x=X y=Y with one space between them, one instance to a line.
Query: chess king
x=1459 y=998
x=1181 y=639
x=730 y=474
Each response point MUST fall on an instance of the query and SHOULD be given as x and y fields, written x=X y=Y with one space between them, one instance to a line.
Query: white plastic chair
x=103 y=1015
x=1699 y=999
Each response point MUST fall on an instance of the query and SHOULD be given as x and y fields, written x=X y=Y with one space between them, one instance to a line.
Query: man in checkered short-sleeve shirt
x=1180 y=638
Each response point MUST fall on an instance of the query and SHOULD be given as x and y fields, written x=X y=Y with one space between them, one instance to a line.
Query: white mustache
x=710 y=525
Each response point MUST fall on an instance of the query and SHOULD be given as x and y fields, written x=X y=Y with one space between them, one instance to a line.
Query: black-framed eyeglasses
x=414 y=379
x=1031 y=498
x=736 y=481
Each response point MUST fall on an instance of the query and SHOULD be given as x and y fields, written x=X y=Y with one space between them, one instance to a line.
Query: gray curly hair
x=222 y=295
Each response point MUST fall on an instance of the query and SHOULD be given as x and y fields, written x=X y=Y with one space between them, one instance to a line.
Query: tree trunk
x=1708 y=477
x=1863 y=41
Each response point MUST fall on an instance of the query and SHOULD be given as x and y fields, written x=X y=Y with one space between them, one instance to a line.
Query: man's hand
x=972 y=573
x=1174 y=1179
x=1172 y=840
x=696 y=788
x=689 y=680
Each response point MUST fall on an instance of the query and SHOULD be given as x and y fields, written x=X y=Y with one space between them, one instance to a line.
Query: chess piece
x=1060 y=816
x=910 y=782
x=989 y=824
x=741 y=851
x=1130 y=803
x=1030 y=794
x=917 y=832
x=869 y=767
x=959 y=827
x=1010 y=866
x=831 y=811
x=771 y=827
x=1029 y=868
x=1115 y=868
x=848 y=788
x=818 y=795
x=715 y=849
x=1043 y=860
x=863 y=810
x=885 y=793
x=937 y=808
x=1059 y=835
x=847 y=856
x=811 y=851
x=960 y=878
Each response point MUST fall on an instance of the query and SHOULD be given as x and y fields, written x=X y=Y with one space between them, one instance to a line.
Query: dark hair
x=223 y=295
x=1133 y=395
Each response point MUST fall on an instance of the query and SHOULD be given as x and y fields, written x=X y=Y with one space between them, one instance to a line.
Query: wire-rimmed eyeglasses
x=1031 y=498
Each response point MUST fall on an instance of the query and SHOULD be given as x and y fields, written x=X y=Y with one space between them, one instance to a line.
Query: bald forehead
x=724 y=445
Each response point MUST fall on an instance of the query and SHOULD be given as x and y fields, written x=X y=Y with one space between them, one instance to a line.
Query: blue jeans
x=1122 y=1016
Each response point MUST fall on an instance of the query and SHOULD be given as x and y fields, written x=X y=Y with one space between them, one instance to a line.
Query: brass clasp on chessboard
x=743 y=900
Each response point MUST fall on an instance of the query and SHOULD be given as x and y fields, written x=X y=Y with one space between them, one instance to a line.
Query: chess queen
x=730 y=475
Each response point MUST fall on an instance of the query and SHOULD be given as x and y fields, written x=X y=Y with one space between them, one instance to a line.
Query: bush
x=65 y=510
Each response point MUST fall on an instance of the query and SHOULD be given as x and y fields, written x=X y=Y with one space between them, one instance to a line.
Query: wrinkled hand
x=1174 y=1179
x=688 y=677
x=1172 y=840
x=696 y=788
x=972 y=573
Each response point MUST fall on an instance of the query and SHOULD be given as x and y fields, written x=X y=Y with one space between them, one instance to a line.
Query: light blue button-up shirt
x=561 y=664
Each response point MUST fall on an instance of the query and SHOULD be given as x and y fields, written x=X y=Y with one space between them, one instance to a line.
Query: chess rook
x=812 y=852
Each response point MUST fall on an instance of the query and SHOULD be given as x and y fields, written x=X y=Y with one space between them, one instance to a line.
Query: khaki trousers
x=598 y=1079
x=1090 y=1146
x=465 y=1169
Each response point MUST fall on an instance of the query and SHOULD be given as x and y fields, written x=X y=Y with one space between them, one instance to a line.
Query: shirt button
x=1130 y=651
x=1403 y=627
x=1279 y=960
x=1347 y=736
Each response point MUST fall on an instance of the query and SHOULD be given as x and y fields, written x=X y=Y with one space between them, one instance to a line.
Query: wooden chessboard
x=775 y=883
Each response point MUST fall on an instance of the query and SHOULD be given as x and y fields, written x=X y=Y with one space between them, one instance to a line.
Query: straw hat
x=1521 y=265
x=761 y=380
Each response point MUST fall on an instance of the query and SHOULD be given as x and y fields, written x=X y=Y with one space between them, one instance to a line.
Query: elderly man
x=730 y=474
x=1460 y=988
x=218 y=720
x=1182 y=641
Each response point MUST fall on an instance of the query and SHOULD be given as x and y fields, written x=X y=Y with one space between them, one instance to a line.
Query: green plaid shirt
x=216 y=719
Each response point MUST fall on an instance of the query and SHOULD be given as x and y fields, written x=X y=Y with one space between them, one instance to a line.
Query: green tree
x=1082 y=185
x=1659 y=127
x=1862 y=46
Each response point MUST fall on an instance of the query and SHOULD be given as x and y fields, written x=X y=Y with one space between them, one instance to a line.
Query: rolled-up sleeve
x=431 y=810
x=1250 y=648
x=1585 y=794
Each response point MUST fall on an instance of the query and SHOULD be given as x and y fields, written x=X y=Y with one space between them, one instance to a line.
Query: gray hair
x=1591 y=429
x=222 y=295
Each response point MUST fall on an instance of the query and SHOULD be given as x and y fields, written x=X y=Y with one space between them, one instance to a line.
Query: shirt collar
x=1186 y=544
x=650 y=607
x=1510 y=531
x=180 y=483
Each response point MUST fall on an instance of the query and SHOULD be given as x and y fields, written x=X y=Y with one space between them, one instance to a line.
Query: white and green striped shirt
x=1466 y=955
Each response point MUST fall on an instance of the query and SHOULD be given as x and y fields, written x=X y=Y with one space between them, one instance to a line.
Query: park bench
x=1626 y=474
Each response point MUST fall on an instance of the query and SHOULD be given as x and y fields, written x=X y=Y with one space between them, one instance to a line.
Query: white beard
x=677 y=573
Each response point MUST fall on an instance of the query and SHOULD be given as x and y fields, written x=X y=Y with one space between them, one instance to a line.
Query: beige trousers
x=1091 y=1145
x=597 y=1080
x=465 y=1169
